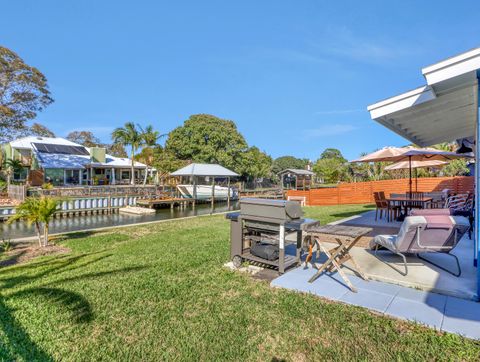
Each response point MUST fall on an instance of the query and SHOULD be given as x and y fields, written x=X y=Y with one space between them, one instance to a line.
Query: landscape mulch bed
x=21 y=253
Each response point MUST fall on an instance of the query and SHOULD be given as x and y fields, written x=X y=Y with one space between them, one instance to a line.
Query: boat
x=204 y=192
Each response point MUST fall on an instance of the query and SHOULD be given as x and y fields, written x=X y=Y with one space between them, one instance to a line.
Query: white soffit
x=443 y=110
x=452 y=67
x=402 y=101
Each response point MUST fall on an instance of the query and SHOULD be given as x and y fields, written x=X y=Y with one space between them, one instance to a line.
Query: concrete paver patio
x=427 y=295
x=434 y=310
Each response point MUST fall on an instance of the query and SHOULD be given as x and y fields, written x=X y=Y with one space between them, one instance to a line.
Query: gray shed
x=296 y=178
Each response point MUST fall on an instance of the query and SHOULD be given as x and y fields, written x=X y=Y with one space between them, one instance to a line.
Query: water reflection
x=78 y=223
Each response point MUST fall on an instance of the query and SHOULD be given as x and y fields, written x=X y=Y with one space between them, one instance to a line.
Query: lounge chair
x=425 y=231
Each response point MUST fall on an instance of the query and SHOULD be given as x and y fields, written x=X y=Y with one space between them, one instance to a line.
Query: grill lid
x=278 y=209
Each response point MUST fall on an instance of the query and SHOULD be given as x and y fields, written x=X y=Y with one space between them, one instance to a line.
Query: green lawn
x=159 y=292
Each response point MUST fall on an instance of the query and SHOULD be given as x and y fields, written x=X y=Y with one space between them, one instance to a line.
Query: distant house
x=296 y=179
x=62 y=162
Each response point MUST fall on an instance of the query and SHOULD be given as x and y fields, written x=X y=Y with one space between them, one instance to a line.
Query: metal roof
x=443 y=110
x=56 y=160
x=298 y=171
x=204 y=169
x=26 y=142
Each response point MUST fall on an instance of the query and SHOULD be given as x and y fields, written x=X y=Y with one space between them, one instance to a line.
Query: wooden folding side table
x=346 y=237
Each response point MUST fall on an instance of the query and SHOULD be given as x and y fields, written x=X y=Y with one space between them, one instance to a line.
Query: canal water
x=78 y=223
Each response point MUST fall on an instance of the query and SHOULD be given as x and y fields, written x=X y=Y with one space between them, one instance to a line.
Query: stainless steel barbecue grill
x=258 y=230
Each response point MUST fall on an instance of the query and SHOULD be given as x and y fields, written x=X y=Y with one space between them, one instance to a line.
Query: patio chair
x=415 y=195
x=456 y=202
x=380 y=204
x=466 y=210
x=426 y=231
x=438 y=199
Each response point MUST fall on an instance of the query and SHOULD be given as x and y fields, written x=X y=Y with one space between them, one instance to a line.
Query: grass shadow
x=19 y=345
x=12 y=260
x=346 y=214
x=74 y=303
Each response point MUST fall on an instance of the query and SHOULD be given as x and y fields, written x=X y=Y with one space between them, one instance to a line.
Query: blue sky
x=295 y=76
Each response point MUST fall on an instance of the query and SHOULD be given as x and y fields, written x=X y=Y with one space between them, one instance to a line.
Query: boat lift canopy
x=204 y=169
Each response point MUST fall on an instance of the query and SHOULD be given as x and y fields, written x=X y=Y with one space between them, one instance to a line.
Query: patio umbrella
x=385 y=154
x=410 y=154
x=401 y=165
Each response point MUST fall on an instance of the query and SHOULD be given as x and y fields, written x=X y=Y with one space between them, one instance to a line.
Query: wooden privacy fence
x=362 y=192
x=16 y=192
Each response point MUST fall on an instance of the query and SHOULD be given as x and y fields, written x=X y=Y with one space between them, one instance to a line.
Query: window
x=125 y=175
x=54 y=176
x=72 y=177
x=21 y=175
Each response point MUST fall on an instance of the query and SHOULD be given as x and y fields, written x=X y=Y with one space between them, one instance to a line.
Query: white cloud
x=344 y=43
x=329 y=130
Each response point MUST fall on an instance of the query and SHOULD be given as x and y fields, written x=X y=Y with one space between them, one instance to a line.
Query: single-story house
x=63 y=162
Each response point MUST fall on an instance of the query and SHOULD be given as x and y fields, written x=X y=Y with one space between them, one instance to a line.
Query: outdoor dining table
x=406 y=202
x=346 y=237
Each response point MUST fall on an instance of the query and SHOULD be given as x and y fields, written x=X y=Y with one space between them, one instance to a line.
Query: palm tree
x=130 y=135
x=150 y=138
x=39 y=212
x=48 y=207
x=12 y=166
x=29 y=211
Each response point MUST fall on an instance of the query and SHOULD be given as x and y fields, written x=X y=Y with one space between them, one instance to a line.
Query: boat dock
x=172 y=202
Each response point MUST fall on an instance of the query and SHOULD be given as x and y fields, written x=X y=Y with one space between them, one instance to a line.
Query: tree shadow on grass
x=74 y=235
x=52 y=267
x=346 y=214
x=12 y=260
x=19 y=344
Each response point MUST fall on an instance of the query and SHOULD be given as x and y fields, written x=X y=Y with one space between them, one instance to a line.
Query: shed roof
x=204 y=169
x=298 y=171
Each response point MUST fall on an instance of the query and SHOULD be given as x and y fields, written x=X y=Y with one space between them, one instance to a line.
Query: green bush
x=47 y=186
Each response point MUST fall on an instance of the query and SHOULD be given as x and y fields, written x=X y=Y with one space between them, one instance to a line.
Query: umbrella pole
x=410 y=173
x=416 y=180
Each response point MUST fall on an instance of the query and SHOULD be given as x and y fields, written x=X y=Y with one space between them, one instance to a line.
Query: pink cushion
x=425 y=212
x=438 y=221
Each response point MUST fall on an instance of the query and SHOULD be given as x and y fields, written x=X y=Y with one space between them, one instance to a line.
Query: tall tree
x=255 y=163
x=150 y=139
x=129 y=135
x=209 y=139
x=23 y=93
x=116 y=150
x=85 y=138
x=165 y=161
x=40 y=130
x=284 y=162
x=331 y=165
